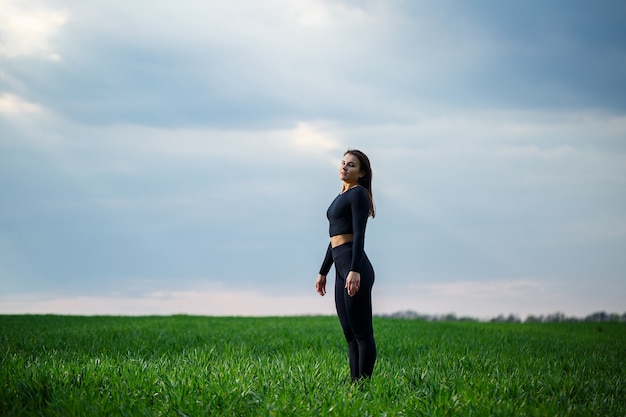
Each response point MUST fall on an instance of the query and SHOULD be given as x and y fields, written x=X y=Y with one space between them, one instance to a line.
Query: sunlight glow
x=25 y=31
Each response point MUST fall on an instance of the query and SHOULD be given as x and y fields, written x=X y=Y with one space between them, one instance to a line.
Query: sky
x=179 y=157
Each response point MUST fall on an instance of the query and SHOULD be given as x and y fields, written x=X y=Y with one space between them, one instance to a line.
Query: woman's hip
x=342 y=257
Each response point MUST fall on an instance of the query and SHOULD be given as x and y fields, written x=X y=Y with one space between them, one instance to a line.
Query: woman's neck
x=348 y=186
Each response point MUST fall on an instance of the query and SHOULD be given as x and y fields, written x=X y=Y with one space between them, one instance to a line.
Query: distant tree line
x=600 y=316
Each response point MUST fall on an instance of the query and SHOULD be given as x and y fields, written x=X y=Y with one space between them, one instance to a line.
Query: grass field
x=297 y=366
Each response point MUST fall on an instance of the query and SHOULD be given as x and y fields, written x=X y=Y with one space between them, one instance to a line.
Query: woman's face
x=350 y=169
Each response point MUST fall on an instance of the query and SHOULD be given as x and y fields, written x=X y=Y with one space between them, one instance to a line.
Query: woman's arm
x=328 y=261
x=320 y=283
x=360 y=206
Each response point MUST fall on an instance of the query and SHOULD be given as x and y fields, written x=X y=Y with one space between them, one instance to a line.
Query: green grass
x=297 y=366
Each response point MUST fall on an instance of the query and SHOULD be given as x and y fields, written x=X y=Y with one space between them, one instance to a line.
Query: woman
x=347 y=216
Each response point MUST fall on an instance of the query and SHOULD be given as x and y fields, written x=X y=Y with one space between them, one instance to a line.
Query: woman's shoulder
x=359 y=193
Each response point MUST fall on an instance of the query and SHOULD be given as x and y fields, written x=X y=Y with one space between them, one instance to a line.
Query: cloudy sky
x=179 y=157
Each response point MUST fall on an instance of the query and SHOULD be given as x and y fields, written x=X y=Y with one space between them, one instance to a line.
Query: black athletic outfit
x=348 y=214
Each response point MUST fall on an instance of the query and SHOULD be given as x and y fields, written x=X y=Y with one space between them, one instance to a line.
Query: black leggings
x=355 y=313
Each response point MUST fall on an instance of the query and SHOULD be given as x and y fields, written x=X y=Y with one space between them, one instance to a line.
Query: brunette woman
x=347 y=216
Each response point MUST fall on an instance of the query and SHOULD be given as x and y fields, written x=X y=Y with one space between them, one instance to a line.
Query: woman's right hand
x=320 y=284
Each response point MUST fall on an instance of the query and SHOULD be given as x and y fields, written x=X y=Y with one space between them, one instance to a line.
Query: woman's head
x=365 y=174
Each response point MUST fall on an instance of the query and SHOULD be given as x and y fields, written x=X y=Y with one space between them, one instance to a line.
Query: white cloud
x=134 y=148
x=478 y=299
x=313 y=139
x=487 y=299
x=318 y=12
x=26 y=29
x=12 y=104
x=214 y=301
x=481 y=290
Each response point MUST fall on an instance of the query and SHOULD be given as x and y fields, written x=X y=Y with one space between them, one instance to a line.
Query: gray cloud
x=202 y=64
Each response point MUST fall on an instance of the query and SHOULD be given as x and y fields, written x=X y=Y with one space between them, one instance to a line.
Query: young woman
x=347 y=216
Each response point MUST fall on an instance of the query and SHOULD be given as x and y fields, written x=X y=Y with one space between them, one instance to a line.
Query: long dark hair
x=365 y=180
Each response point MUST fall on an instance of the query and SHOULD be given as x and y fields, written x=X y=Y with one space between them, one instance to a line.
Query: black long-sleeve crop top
x=348 y=214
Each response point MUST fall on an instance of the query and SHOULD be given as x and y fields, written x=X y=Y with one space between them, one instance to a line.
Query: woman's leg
x=355 y=313
x=359 y=310
x=342 y=314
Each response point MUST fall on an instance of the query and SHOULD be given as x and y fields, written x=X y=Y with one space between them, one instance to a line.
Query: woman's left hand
x=353 y=283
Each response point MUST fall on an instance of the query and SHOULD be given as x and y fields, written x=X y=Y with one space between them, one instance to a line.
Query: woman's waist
x=342 y=239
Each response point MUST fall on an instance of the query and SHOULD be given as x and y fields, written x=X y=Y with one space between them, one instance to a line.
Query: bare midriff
x=338 y=240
